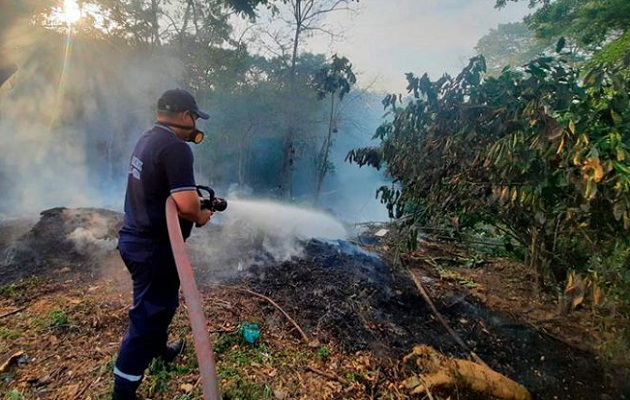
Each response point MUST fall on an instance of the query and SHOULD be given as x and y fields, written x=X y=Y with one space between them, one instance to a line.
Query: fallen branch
x=439 y=371
x=304 y=337
x=12 y=359
x=329 y=376
x=17 y=310
x=437 y=314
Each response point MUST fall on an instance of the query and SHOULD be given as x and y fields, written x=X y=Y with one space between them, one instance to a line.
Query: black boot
x=173 y=350
x=120 y=394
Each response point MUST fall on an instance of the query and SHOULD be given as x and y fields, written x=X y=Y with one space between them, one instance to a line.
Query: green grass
x=243 y=390
x=235 y=354
x=11 y=291
x=13 y=394
x=8 y=334
x=17 y=290
x=157 y=377
x=57 y=319
x=159 y=374
x=323 y=353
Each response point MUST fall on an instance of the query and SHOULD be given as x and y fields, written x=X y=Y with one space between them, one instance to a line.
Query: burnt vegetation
x=504 y=271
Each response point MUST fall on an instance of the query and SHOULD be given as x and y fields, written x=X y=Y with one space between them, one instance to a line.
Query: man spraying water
x=161 y=166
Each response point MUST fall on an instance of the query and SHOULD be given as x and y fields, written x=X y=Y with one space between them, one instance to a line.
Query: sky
x=387 y=38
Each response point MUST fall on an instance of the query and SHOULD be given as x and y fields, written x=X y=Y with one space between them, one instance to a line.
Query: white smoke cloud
x=86 y=241
x=68 y=119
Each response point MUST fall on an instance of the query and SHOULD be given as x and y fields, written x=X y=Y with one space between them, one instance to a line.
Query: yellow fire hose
x=203 y=347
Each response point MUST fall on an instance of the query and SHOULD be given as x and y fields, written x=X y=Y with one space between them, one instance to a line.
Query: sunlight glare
x=71 y=12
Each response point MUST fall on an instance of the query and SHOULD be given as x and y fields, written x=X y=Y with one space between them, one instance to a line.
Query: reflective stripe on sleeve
x=183 y=189
x=131 y=378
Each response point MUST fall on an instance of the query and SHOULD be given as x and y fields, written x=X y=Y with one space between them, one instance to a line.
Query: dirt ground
x=64 y=296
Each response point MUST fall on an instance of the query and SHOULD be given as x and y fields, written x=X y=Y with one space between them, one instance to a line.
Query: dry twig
x=17 y=310
x=304 y=337
x=440 y=318
x=328 y=375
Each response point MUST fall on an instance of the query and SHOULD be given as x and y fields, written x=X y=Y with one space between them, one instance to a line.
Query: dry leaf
x=186 y=387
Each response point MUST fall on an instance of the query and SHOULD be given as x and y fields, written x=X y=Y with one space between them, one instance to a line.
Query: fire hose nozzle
x=211 y=202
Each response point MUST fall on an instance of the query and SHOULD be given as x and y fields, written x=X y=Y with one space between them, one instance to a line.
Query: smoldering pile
x=64 y=240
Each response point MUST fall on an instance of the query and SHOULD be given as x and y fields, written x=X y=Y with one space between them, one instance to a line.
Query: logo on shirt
x=135 y=167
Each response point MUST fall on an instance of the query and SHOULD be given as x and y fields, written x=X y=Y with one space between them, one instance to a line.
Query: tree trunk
x=288 y=154
x=155 y=27
x=323 y=167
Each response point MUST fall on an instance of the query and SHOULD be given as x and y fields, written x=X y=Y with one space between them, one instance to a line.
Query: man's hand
x=204 y=217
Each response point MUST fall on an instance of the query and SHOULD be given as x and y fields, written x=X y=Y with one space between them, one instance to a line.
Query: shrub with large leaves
x=538 y=152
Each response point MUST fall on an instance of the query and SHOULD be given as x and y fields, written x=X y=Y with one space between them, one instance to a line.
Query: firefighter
x=161 y=166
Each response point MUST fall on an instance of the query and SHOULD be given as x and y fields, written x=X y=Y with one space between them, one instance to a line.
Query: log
x=442 y=372
x=13 y=358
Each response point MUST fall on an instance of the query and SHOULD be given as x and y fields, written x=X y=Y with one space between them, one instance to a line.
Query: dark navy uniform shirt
x=161 y=164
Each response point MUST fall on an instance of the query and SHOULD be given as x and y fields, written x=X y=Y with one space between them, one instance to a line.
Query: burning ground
x=352 y=316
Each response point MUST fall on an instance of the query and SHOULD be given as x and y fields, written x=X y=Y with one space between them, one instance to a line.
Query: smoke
x=69 y=117
x=349 y=192
x=94 y=237
x=72 y=112
x=255 y=233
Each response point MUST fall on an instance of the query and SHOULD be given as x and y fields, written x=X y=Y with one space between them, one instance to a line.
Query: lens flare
x=71 y=12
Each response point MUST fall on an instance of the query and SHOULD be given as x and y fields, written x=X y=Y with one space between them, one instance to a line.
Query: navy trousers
x=155 y=300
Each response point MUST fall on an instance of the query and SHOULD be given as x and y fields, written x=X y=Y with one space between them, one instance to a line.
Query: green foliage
x=615 y=54
x=8 y=334
x=13 y=394
x=323 y=352
x=227 y=342
x=244 y=390
x=540 y=152
x=160 y=373
x=246 y=7
x=158 y=376
x=236 y=355
x=611 y=267
x=335 y=78
x=17 y=290
x=57 y=319
x=591 y=27
x=10 y=291
x=589 y=23
x=511 y=44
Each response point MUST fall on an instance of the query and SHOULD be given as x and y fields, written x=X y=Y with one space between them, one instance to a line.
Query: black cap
x=179 y=100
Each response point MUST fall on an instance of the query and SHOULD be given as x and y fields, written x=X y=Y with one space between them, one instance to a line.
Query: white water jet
x=282 y=220
x=256 y=232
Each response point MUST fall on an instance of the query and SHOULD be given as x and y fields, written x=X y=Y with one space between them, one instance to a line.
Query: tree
x=511 y=44
x=244 y=108
x=334 y=79
x=593 y=25
x=303 y=17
